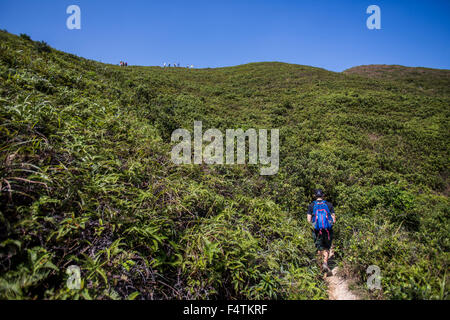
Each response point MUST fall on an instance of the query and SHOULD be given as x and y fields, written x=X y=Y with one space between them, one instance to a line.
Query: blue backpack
x=321 y=216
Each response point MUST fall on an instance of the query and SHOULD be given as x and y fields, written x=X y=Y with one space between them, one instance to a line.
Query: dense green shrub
x=42 y=46
x=25 y=36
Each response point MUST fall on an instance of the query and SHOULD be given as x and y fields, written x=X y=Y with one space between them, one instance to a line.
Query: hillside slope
x=417 y=77
x=87 y=180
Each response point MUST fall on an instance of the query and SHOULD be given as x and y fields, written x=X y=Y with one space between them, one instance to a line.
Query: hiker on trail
x=321 y=215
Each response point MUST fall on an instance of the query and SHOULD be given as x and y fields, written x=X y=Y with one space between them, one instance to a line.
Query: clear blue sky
x=329 y=34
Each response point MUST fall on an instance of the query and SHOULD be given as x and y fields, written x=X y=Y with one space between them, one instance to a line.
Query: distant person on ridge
x=321 y=215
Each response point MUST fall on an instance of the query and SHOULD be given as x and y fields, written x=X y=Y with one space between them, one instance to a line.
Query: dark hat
x=318 y=193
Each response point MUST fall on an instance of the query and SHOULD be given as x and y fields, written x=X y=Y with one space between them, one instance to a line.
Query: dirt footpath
x=337 y=286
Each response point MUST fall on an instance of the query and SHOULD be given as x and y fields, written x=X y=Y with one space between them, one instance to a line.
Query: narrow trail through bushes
x=338 y=287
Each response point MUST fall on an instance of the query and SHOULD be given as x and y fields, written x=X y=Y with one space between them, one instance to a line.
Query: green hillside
x=86 y=179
